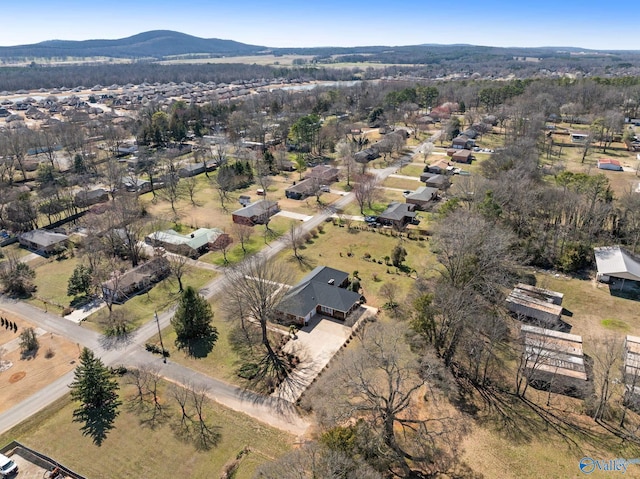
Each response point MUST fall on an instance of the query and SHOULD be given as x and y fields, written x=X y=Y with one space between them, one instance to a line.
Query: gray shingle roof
x=314 y=289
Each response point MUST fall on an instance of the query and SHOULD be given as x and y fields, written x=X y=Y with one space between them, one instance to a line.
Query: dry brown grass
x=34 y=373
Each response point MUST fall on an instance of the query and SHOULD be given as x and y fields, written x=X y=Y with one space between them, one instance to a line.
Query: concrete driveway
x=315 y=345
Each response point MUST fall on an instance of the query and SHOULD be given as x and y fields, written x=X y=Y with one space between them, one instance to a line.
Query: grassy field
x=344 y=249
x=135 y=448
x=402 y=183
x=53 y=293
x=413 y=169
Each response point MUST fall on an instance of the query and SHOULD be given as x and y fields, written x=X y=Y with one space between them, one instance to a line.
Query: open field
x=53 y=294
x=135 y=447
x=27 y=376
x=344 y=249
x=590 y=303
x=267 y=60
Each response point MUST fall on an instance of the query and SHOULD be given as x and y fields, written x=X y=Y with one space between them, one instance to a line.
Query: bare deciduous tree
x=243 y=233
x=366 y=189
x=258 y=289
x=378 y=381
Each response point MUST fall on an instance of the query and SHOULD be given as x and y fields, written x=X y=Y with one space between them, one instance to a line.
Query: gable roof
x=257 y=208
x=424 y=193
x=398 y=211
x=617 y=262
x=304 y=187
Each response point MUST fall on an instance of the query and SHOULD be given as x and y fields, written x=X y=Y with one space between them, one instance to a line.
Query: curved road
x=275 y=412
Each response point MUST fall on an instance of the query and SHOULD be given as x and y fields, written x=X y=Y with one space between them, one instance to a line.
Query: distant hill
x=155 y=44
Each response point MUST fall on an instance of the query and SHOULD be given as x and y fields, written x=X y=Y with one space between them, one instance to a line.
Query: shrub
x=28 y=342
x=248 y=370
x=49 y=353
x=320 y=229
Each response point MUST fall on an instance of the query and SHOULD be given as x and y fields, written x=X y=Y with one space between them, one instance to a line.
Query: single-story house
x=43 y=241
x=84 y=199
x=322 y=291
x=438 y=167
x=541 y=306
x=422 y=197
x=302 y=189
x=127 y=149
x=255 y=213
x=191 y=169
x=607 y=164
x=193 y=244
x=462 y=142
x=554 y=361
x=470 y=133
x=579 y=137
x=462 y=156
x=325 y=174
x=367 y=155
x=397 y=215
x=136 y=185
x=616 y=262
x=286 y=165
x=122 y=286
x=433 y=180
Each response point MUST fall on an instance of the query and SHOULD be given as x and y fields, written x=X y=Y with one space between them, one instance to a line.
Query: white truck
x=7 y=466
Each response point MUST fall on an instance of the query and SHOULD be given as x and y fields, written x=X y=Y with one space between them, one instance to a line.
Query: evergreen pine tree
x=192 y=323
x=97 y=392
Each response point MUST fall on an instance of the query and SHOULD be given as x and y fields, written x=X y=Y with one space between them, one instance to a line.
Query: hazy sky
x=611 y=24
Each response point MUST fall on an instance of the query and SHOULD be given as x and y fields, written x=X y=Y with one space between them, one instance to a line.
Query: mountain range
x=161 y=44
x=154 y=44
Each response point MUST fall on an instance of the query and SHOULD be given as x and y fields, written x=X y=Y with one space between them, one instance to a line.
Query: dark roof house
x=256 y=213
x=325 y=174
x=319 y=292
x=397 y=215
x=84 y=199
x=462 y=142
x=302 y=189
x=422 y=197
x=137 y=280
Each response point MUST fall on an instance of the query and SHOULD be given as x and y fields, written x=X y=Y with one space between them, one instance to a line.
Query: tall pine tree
x=97 y=392
x=192 y=323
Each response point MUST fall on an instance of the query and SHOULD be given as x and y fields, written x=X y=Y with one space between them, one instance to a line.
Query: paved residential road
x=275 y=412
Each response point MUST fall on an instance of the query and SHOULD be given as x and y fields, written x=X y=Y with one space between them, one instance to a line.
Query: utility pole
x=164 y=357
